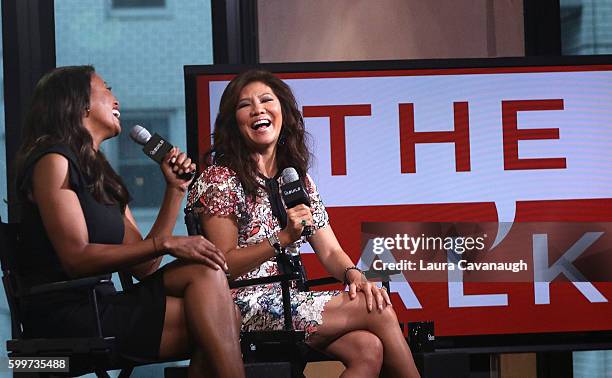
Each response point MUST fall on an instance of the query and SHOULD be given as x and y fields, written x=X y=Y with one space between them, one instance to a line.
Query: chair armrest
x=384 y=274
x=369 y=274
x=80 y=283
x=264 y=280
x=321 y=282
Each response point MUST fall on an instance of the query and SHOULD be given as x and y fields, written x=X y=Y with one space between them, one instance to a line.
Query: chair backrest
x=9 y=242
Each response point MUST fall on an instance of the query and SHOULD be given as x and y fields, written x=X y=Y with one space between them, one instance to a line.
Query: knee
x=199 y=273
x=388 y=316
x=385 y=318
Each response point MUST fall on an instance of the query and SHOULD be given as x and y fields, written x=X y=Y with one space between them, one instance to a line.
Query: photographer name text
x=463 y=265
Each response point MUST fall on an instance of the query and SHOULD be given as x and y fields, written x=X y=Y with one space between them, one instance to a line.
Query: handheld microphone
x=294 y=194
x=155 y=147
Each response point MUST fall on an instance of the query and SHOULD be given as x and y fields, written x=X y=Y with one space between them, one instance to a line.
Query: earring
x=87 y=110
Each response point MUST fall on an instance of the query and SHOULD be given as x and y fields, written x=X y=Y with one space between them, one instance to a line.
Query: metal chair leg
x=126 y=372
x=102 y=374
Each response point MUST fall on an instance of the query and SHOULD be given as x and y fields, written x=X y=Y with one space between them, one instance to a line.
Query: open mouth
x=116 y=113
x=261 y=123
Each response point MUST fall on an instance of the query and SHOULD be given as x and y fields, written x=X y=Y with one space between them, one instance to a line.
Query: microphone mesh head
x=290 y=175
x=140 y=135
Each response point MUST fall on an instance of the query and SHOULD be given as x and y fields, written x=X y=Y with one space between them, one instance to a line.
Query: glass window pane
x=586 y=30
x=142 y=178
x=138 y=3
x=139 y=48
x=141 y=56
x=585 y=27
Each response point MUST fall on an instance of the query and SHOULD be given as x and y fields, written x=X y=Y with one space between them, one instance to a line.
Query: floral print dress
x=218 y=191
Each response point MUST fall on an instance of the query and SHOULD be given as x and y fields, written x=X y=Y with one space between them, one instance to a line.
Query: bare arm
x=132 y=235
x=335 y=261
x=330 y=253
x=222 y=231
x=166 y=217
x=65 y=225
x=174 y=162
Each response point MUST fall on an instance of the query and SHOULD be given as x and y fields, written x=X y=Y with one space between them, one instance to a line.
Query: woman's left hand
x=373 y=294
x=175 y=164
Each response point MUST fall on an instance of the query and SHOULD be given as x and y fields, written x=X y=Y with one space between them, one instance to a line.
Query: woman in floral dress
x=259 y=131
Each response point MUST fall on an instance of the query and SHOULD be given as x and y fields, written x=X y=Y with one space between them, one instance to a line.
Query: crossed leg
x=347 y=325
x=197 y=309
x=360 y=351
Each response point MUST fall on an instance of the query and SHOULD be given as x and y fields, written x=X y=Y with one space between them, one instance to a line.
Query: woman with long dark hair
x=75 y=208
x=259 y=132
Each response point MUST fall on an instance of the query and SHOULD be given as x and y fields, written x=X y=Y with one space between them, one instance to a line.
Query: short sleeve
x=215 y=192
x=319 y=214
x=75 y=178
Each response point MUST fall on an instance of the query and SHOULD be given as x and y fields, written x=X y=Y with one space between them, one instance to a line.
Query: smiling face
x=102 y=120
x=259 y=116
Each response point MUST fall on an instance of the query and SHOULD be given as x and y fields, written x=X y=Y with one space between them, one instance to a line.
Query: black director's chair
x=95 y=354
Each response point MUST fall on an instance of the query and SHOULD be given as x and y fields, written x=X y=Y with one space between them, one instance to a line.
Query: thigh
x=342 y=315
x=175 y=340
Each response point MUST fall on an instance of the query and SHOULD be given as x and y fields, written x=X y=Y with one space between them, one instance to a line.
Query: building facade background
x=139 y=48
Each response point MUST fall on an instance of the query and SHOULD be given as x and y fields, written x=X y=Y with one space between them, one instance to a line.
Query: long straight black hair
x=59 y=102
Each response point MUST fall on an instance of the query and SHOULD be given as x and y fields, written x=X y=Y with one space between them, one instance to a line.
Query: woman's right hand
x=176 y=163
x=298 y=217
x=195 y=249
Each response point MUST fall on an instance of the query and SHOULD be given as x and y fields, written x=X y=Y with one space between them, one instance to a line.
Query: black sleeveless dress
x=135 y=317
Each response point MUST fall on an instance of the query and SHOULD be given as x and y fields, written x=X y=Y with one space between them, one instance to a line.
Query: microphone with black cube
x=294 y=194
x=155 y=147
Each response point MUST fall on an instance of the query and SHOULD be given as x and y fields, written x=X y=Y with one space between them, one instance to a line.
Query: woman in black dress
x=76 y=210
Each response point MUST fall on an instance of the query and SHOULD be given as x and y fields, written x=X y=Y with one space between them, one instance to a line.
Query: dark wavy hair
x=230 y=149
x=58 y=104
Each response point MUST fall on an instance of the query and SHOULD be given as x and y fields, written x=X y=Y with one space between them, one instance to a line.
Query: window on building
x=139 y=48
x=141 y=174
x=140 y=9
x=138 y=3
x=142 y=58
x=585 y=27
